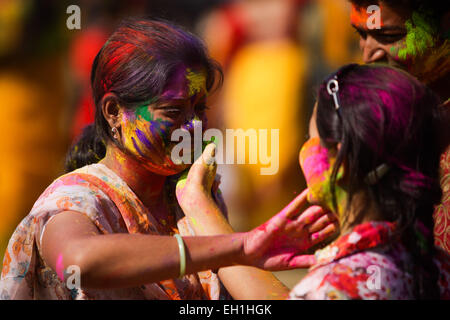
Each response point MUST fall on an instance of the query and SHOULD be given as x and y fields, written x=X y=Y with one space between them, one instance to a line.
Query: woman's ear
x=111 y=110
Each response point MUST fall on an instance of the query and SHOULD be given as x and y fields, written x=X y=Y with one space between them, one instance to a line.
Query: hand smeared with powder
x=278 y=244
x=201 y=176
x=281 y=242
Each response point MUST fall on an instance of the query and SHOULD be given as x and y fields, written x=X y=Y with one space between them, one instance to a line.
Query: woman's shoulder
x=75 y=191
x=73 y=188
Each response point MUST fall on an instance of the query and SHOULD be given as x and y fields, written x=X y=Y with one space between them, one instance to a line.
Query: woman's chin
x=312 y=199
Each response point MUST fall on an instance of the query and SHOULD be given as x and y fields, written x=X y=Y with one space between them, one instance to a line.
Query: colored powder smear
x=143 y=112
x=420 y=35
x=60 y=267
x=359 y=16
x=422 y=40
x=196 y=82
x=317 y=165
x=181 y=182
x=182 y=179
x=148 y=140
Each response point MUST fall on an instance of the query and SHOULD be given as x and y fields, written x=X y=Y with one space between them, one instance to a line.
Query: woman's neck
x=360 y=201
x=147 y=185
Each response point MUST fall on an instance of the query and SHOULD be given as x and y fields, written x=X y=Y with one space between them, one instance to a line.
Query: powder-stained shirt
x=111 y=205
x=365 y=264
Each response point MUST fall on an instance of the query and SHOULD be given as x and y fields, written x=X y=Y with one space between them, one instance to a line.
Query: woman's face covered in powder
x=317 y=164
x=407 y=40
x=147 y=129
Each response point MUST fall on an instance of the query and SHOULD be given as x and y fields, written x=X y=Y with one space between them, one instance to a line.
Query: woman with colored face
x=372 y=159
x=111 y=228
x=145 y=132
x=317 y=163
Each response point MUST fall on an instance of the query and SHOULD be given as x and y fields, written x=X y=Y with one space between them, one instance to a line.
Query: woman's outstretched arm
x=127 y=260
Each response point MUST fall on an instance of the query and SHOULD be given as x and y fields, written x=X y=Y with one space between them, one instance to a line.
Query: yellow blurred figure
x=264 y=91
x=33 y=110
x=340 y=42
x=32 y=142
x=265 y=69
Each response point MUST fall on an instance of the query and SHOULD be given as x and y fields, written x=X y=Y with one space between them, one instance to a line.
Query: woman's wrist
x=238 y=241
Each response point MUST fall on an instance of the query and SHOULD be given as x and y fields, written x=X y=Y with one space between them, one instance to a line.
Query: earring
x=115 y=132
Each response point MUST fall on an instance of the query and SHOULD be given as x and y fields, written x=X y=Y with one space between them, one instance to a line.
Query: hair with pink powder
x=388 y=117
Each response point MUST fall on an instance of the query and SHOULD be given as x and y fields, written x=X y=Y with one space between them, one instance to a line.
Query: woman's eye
x=171 y=111
x=389 y=38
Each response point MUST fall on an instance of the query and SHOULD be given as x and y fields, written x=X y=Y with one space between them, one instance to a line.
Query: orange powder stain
x=359 y=16
x=120 y=158
x=6 y=263
x=17 y=246
x=64 y=203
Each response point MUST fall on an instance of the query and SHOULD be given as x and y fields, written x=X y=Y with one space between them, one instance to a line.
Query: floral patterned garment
x=362 y=264
x=104 y=197
x=442 y=211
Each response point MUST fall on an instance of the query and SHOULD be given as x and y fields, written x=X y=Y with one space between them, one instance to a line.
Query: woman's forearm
x=250 y=283
x=124 y=260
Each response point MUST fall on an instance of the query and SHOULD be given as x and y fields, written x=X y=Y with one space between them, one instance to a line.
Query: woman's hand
x=280 y=243
x=196 y=186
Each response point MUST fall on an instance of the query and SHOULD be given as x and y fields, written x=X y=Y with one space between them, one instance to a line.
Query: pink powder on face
x=60 y=267
x=314 y=160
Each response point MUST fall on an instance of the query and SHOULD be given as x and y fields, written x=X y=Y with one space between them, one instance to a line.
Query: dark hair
x=387 y=116
x=135 y=64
